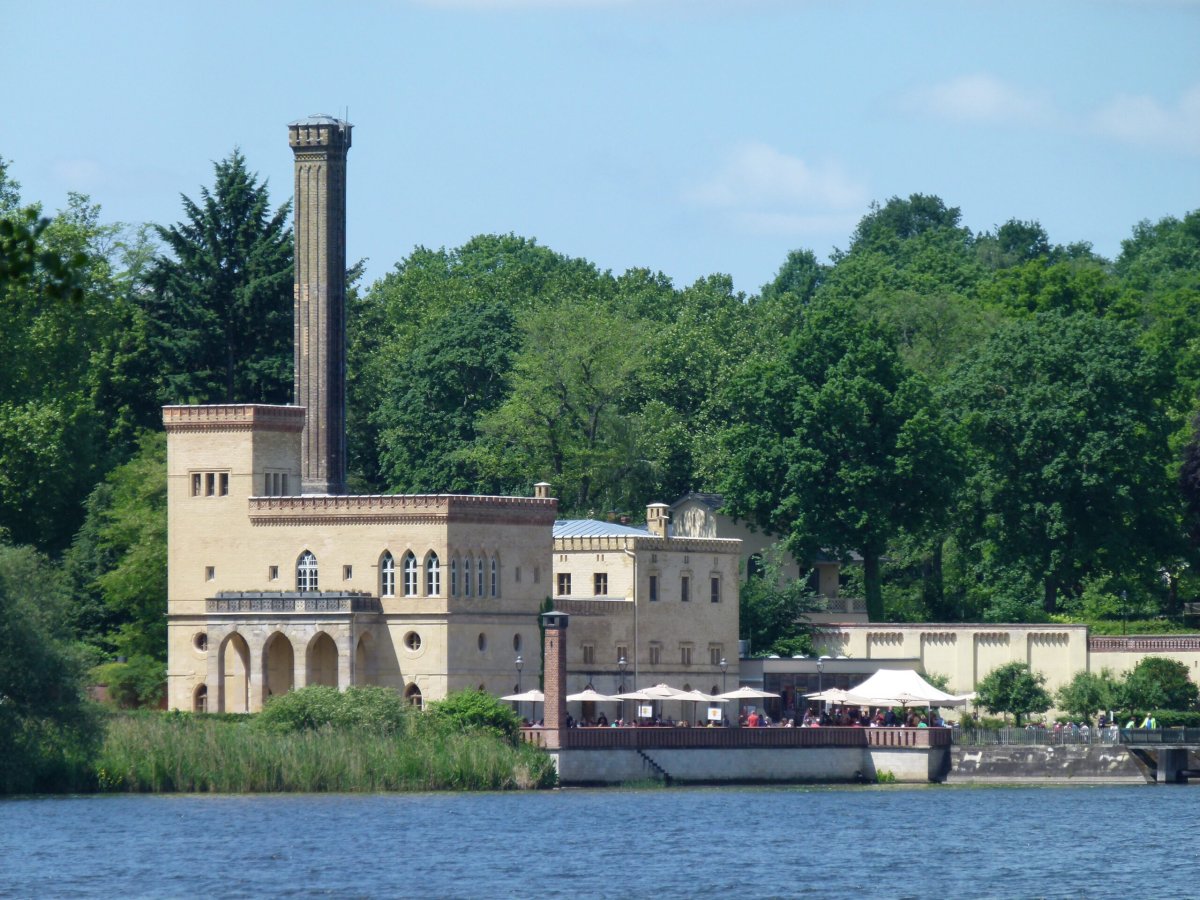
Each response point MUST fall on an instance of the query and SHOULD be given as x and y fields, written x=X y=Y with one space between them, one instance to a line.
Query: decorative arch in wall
x=233 y=674
x=322 y=661
x=278 y=665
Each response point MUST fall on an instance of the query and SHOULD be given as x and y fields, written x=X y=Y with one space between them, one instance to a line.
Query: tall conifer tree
x=220 y=305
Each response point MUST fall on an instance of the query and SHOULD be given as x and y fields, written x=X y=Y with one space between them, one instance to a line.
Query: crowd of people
x=844 y=717
x=752 y=717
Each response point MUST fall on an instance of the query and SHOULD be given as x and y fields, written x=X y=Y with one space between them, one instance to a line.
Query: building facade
x=698 y=515
x=967 y=652
x=270 y=591
x=666 y=605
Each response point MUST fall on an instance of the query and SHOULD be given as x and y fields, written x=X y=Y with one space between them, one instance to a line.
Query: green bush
x=470 y=710
x=139 y=682
x=377 y=709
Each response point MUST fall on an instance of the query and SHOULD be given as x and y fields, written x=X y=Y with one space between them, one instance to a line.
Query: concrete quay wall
x=598 y=766
x=1015 y=764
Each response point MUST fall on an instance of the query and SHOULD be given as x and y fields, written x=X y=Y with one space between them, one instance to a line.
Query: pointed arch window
x=433 y=575
x=479 y=584
x=306 y=572
x=410 y=575
x=467 y=577
x=495 y=577
x=454 y=577
x=387 y=575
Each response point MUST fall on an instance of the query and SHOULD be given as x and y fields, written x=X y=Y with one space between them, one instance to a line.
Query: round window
x=200 y=641
x=482 y=642
x=412 y=641
x=517 y=642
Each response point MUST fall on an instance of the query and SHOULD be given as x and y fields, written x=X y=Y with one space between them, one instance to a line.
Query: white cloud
x=1144 y=121
x=979 y=98
x=768 y=191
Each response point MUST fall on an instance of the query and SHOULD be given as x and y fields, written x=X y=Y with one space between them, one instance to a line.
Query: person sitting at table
x=602 y=721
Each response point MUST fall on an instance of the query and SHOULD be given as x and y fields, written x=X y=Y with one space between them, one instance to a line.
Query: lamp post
x=821 y=680
x=520 y=664
x=724 y=669
x=621 y=664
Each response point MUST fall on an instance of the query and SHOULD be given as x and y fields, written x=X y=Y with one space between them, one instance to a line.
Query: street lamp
x=724 y=669
x=520 y=664
x=621 y=664
x=821 y=679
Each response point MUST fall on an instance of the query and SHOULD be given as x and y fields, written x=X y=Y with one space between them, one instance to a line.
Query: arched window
x=433 y=576
x=495 y=578
x=454 y=577
x=413 y=695
x=467 y=577
x=387 y=575
x=306 y=572
x=410 y=575
x=479 y=579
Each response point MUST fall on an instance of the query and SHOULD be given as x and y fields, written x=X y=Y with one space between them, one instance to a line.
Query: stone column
x=214 y=677
x=555 y=654
x=345 y=645
x=256 y=678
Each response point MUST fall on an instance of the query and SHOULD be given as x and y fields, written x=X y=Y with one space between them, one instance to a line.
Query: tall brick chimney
x=320 y=145
x=555 y=688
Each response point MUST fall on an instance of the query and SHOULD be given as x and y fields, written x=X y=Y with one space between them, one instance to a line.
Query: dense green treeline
x=1000 y=425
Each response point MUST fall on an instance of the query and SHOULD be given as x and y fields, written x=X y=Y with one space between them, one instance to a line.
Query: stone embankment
x=1017 y=764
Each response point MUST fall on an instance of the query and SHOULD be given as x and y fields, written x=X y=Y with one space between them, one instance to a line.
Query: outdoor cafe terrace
x=652 y=738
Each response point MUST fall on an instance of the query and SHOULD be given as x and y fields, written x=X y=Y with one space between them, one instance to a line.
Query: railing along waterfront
x=1047 y=737
x=740 y=738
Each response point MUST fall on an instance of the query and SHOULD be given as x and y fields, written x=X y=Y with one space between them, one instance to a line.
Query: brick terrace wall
x=718 y=738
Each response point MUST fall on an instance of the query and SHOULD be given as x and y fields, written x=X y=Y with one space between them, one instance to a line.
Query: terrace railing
x=741 y=738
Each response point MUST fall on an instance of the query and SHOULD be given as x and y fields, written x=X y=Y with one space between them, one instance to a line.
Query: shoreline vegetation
x=313 y=740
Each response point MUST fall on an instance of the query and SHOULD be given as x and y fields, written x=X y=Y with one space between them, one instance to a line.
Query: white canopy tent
x=531 y=696
x=588 y=695
x=746 y=693
x=902 y=687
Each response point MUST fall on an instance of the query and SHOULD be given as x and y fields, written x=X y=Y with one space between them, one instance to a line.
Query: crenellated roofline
x=233 y=417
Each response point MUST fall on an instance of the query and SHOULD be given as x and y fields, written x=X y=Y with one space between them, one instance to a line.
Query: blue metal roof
x=594 y=528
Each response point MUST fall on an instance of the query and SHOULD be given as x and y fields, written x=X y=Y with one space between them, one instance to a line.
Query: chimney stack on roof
x=657 y=518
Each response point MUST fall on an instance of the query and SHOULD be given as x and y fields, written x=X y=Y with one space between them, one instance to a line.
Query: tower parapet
x=320 y=145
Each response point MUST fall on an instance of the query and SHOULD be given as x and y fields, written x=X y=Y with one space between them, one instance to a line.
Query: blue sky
x=687 y=136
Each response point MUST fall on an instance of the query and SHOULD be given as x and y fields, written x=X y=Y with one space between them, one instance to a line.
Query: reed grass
x=186 y=753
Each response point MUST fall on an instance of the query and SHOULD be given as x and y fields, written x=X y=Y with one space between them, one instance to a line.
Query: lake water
x=893 y=841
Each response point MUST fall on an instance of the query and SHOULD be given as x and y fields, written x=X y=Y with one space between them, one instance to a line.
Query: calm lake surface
x=893 y=841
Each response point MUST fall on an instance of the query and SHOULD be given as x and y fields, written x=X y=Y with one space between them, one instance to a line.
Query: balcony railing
x=852 y=605
x=231 y=602
x=740 y=738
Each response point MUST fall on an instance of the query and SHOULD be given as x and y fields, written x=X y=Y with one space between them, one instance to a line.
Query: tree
x=63 y=308
x=1067 y=452
x=47 y=735
x=220 y=305
x=567 y=415
x=834 y=443
x=1087 y=693
x=773 y=613
x=395 y=320
x=1158 y=683
x=1013 y=688
x=453 y=374
x=117 y=568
